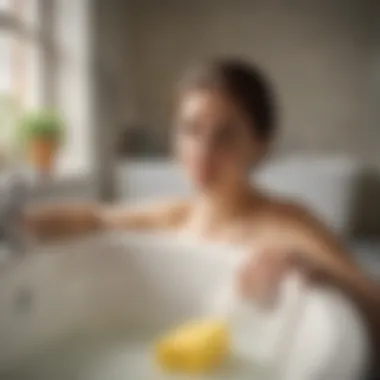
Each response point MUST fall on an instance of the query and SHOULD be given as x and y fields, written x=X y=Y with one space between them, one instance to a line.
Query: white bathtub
x=92 y=308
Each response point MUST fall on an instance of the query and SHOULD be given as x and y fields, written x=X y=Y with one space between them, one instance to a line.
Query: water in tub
x=91 y=315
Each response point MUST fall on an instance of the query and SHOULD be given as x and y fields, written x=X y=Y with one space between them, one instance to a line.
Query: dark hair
x=245 y=84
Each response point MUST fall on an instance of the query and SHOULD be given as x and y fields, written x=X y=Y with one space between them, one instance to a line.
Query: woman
x=225 y=124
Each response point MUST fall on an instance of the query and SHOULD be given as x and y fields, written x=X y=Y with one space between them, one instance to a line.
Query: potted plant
x=42 y=132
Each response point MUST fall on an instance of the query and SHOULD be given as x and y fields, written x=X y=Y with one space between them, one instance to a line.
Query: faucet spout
x=13 y=199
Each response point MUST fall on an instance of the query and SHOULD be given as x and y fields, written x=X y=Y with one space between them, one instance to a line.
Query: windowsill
x=63 y=185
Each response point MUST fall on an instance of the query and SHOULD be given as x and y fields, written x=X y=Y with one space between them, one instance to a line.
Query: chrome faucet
x=13 y=198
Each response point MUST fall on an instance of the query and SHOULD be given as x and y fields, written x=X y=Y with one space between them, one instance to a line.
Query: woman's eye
x=225 y=135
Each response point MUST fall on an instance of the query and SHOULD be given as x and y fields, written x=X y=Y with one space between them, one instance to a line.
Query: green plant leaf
x=42 y=123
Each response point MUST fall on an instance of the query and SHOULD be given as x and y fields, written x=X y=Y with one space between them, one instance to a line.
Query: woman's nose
x=207 y=146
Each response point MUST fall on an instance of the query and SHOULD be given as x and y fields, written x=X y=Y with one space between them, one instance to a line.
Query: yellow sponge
x=195 y=347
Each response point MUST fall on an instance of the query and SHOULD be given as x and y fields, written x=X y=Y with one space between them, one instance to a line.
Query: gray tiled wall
x=323 y=57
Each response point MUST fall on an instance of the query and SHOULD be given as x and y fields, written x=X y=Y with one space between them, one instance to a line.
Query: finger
x=311 y=274
x=274 y=268
x=246 y=272
x=260 y=277
x=314 y=277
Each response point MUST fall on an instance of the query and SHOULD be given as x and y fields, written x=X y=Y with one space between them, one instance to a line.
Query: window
x=44 y=61
x=18 y=53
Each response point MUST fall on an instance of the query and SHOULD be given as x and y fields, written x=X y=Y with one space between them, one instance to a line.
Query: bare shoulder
x=290 y=213
x=295 y=223
x=291 y=210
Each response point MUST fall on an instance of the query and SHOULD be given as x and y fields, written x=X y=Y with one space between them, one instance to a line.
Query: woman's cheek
x=189 y=158
x=200 y=171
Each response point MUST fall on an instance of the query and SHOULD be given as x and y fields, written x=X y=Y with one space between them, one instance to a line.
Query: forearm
x=50 y=221
x=331 y=264
x=162 y=215
x=366 y=295
x=118 y=218
x=329 y=257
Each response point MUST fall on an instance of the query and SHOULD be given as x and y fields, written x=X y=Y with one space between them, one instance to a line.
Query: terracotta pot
x=42 y=154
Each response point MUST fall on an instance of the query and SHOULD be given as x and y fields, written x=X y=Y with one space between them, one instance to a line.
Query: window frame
x=36 y=29
x=45 y=30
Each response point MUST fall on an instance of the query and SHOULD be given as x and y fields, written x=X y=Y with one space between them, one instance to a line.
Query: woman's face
x=214 y=141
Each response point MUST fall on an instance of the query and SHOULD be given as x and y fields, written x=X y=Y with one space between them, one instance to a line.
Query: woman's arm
x=329 y=257
x=297 y=240
x=156 y=215
x=49 y=221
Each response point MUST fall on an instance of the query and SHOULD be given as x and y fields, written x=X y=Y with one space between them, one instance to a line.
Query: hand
x=261 y=278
